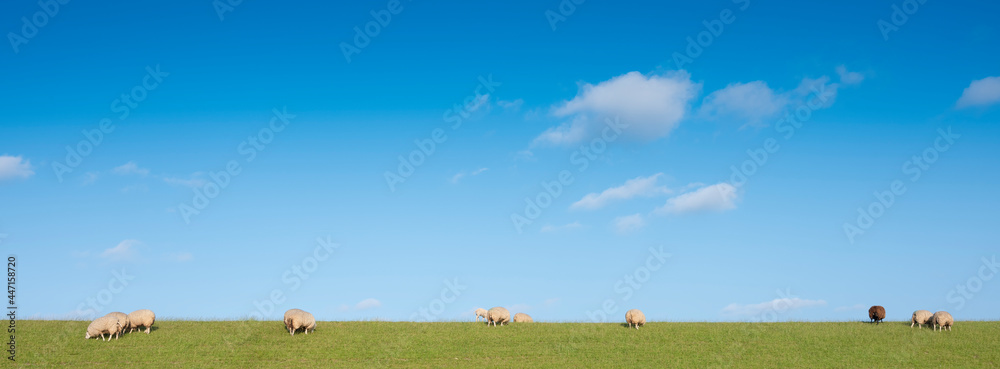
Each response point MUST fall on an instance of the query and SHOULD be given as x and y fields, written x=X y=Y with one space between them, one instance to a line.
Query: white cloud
x=815 y=90
x=752 y=102
x=851 y=308
x=651 y=106
x=15 y=167
x=130 y=168
x=368 y=304
x=777 y=305
x=124 y=251
x=511 y=105
x=981 y=92
x=717 y=197
x=638 y=186
x=460 y=175
x=848 y=77
x=551 y=228
x=629 y=223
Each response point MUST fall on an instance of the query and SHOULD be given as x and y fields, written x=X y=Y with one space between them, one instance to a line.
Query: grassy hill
x=215 y=344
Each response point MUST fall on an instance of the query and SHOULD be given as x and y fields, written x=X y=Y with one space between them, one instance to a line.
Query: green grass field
x=215 y=344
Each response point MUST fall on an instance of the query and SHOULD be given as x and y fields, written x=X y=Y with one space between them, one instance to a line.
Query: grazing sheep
x=296 y=318
x=480 y=312
x=920 y=317
x=497 y=315
x=876 y=314
x=102 y=325
x=522 y=318
x=635 y=317
x=942 y=319
x=141 y=318
x=122 y=320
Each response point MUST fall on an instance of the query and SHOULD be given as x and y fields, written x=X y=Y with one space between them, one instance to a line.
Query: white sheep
x=920 y=317
x=141 y=318
x=942 y=319
x=497 y=315
x=522 y=318
x=122 y=320
x=480 y=312
x=296 y=318
x=635 y=317
x=102 y=325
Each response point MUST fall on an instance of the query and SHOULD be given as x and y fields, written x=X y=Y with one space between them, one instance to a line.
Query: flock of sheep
x=114 y=324
x=941 y=320
x=500 y=315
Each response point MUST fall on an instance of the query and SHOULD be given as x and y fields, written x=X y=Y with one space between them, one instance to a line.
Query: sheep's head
x=86 y=336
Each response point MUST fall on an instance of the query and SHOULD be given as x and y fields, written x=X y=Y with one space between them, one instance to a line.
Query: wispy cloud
x=756 y=104
x=717 y=197
x=564 y=227
x=847 y=77
x=368 y=303
x=779 y=305
x=125 y=250
x=511 y=105
x=12 y=167
x=130 y=168
x=639 y=186
x=982 y=92
x=751 y=102
x=629 y=223
x=458 y=176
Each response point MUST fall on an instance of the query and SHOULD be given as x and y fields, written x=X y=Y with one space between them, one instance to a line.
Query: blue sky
x=718 y=161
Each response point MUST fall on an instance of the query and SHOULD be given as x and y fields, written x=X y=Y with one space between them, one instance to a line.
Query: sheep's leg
x=147 y=328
